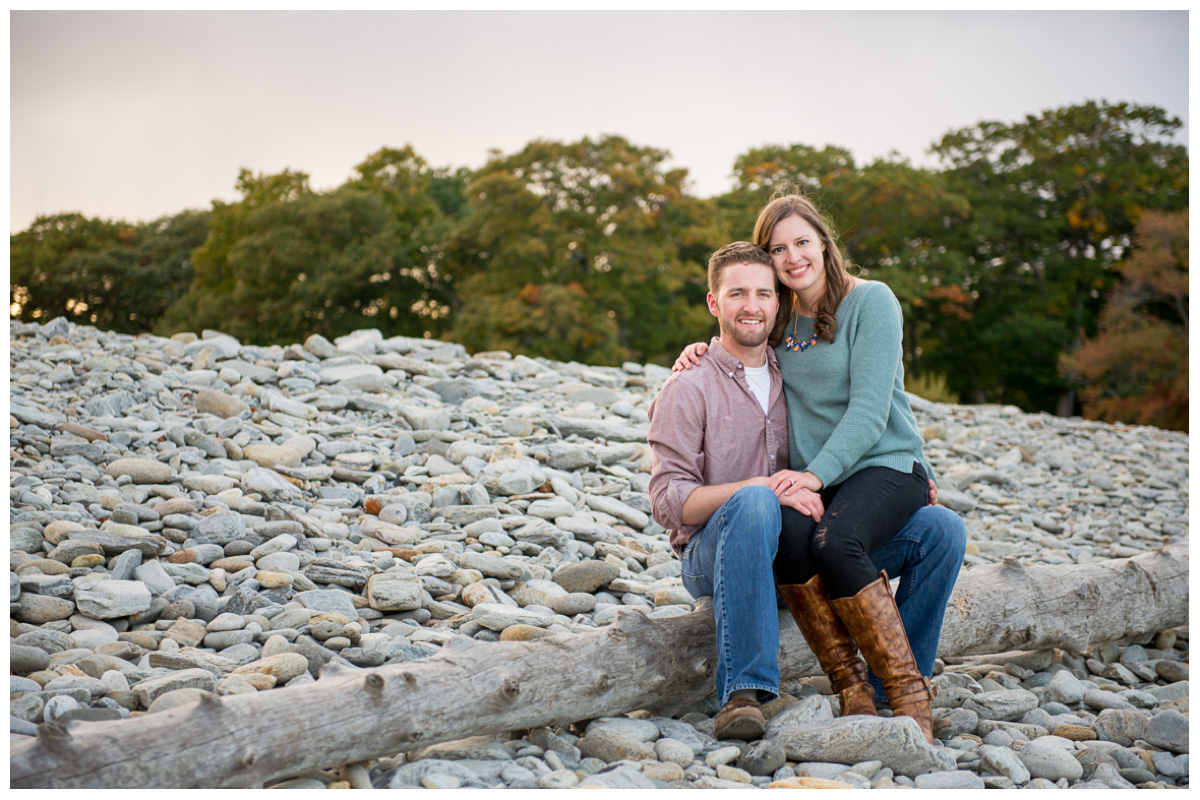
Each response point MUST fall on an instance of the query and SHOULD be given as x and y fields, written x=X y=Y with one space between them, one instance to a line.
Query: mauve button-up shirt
x=707 y=428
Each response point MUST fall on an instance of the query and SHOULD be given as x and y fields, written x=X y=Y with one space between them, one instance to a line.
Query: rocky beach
x=195 y=516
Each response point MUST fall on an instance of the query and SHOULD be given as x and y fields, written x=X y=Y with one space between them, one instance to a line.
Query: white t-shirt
x=760 y=383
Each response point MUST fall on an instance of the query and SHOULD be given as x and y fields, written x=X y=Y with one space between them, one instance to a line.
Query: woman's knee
x=834 y=543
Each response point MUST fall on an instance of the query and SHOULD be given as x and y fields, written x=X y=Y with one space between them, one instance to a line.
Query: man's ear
x=712 y=304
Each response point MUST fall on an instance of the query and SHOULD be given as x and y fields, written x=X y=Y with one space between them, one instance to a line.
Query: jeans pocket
x=691 y=572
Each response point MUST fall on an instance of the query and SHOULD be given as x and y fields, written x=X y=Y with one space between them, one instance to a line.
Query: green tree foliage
x=596 y=225
x=1135 y=369
x=1054 y=199
x=285 y=262
x=115 y=275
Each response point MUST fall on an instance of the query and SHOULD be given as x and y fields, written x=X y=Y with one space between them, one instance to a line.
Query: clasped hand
x=798 y=490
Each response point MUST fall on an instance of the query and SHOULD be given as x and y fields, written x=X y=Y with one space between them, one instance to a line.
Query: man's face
x=746 y=303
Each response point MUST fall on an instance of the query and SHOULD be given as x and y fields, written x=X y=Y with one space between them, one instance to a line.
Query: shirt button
x=731 y=374
x=772 y=458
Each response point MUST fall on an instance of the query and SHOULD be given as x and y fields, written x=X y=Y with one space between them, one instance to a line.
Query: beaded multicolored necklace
x=790 y=342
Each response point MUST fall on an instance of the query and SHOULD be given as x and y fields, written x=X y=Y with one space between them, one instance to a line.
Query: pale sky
x=136 y=115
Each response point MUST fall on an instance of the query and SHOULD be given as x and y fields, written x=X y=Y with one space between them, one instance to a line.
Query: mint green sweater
x=846 y=404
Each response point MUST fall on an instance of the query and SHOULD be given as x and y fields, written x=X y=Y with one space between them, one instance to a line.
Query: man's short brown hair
x=735 y=253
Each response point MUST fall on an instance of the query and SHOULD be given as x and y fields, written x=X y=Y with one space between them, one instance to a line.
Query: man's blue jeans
x=730 y=560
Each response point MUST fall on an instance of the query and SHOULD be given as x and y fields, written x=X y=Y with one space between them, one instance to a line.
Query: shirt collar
x=729 y=363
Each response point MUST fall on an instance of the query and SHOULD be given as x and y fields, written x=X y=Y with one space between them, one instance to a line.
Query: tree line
x=1042 y=263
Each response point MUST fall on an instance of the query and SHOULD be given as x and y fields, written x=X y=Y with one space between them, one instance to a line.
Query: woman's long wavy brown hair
x=837 y=278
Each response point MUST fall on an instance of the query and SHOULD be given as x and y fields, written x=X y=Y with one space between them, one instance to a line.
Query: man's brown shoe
x=740 y=718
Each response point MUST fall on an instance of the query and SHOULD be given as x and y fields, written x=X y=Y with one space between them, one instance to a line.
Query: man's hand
x=805 y=501
x=690 y=356
x=932 y=493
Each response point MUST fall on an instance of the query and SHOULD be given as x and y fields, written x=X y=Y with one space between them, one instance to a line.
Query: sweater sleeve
x=875 y=353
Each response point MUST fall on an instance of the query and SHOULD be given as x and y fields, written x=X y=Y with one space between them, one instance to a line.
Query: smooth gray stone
x=1065 y=688
x=896 y=741
x=103 y=598
x=245 y=601
x=762 y=757
x=222 y=528
x=23 y=660
x=1002 y=704
x=94 y=687
x=803 y=712
x=220 y=640
x=492 y=566
x=1003 y=761
x=351 y=576
x=1172 y=691
x=1050 y=762
x=125 y=564
x=26 y=706
x=1100 y=699
x=957 y=779
x=1168 y=730
x=643 y=730
x=1169 y=765
x=409 y=775
x=203 y=598
x=622 y=777
x=20 y=726
x=1092 y=758
x=826 y=770
x=18 y=684
x=959 y=721
x=497 y=617
x=1113 y=724
x=187 y=573
x=90 y=715
x=1113 y=778
x=154 y=576
x=585 y=576
x=44 y=639
x=57 y=706
x=149 y=690
x=129 y=537
x=48 y=585
x=26 y=539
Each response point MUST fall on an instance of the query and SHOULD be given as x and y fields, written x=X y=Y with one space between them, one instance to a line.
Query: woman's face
x=798 y=257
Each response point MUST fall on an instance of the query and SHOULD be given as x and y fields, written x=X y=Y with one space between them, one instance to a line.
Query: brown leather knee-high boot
x=831 y=644
x=874 y=621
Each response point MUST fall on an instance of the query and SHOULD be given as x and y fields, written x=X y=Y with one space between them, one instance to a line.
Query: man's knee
x=940 y=529
x=754 y=509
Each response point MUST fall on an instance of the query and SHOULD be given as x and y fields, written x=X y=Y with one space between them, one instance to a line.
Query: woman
x=851 y=430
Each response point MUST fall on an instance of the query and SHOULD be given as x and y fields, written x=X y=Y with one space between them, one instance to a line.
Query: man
x=718 y=431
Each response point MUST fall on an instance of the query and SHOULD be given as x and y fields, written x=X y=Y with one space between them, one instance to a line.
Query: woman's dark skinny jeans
x=861 y=513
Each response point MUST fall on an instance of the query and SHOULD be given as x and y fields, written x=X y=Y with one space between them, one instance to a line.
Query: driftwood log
x=350 y=716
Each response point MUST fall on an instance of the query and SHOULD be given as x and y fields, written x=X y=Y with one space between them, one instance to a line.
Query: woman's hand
x=786 y=481
x=690 y=356
x=805 y=501
x=932 y=493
